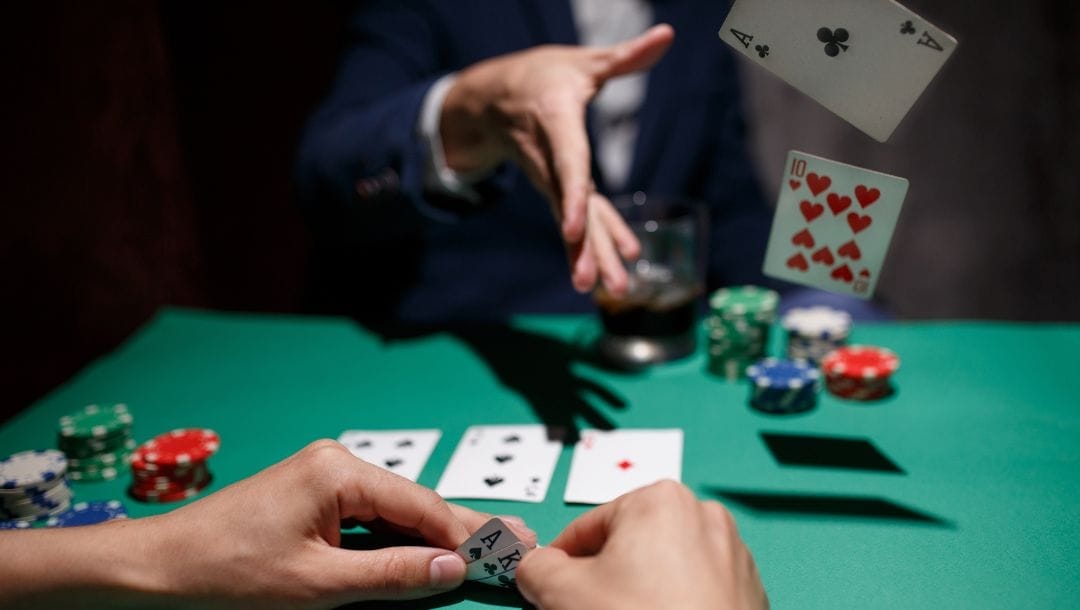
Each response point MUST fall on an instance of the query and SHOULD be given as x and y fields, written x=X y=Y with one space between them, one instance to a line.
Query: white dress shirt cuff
x=439 y=177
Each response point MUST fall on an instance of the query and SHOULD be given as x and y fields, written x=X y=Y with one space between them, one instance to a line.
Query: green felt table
x=985 y=424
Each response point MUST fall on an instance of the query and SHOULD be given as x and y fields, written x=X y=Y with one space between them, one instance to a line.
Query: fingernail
x=447 y=571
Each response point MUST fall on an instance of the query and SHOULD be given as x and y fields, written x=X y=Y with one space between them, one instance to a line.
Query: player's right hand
x=657 y=547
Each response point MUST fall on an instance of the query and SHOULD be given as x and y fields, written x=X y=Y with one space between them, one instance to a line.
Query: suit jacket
x=390 y=250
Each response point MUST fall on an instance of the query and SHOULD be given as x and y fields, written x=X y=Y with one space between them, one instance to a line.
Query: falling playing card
x=491 y=537
x=498 y=567
x=502 y=463
x=866 y=60
x=608 y=464
x=402 y=452
x=833 y=225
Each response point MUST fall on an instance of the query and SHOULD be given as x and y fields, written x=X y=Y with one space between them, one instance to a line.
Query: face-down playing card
x=833 y=224
x=403 y=452
x=868 y=61
x=502 y=463
x=607 y=464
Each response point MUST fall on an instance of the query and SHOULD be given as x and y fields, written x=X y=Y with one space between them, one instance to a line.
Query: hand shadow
x=536 y=366
x=484 y=594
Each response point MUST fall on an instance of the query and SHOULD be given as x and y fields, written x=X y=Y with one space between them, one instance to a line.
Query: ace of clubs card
x=607 y=464
x=833 y=224
x=868 y=61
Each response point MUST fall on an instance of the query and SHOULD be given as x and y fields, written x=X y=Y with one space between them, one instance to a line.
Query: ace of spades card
x=403 y=452
x=833 y=225
x=868 y=61
x=502 y=463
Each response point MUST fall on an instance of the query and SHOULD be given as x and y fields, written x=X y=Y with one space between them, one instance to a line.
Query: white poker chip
x=32 y=468
x=819 y=321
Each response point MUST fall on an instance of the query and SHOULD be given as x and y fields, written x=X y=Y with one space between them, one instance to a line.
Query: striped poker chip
x=89 y=513
x=864 y=362
x=179 y=447
x=32 y=468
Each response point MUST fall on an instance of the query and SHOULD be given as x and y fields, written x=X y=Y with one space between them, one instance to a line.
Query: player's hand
x=530 y=107
x=271 y=541
x=658 y=547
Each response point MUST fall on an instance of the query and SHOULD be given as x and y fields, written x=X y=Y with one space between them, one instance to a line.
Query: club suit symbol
x=834 y=40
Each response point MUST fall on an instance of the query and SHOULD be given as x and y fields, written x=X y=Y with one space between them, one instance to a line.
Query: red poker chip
x=860 y=362
x=179 y=447
x=169 y=495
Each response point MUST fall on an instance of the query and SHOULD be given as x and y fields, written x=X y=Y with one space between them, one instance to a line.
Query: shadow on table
x=493 y=596
x=825 y=505
x=538 y=367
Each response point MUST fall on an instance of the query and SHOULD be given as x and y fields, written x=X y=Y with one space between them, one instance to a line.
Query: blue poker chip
x=783 y=374
x=89 y=513
x=16 y=525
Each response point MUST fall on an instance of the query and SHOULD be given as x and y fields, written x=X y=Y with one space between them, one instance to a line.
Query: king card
x=403 y=452
x=868 y=61
x=833 y=224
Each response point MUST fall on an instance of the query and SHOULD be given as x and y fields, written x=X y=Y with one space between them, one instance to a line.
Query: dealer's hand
x=530 y=107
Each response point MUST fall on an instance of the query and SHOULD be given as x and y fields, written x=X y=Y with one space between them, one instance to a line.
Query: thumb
x=545 y=573
x=634 y=55
x=404 y=572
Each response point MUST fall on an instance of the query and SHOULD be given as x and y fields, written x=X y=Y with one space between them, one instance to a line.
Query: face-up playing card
x=497 y=568
x=866 y=60
x=402 y=452
x=491 y=537
x=607 y=464
x=833 y=224
x=501 y=463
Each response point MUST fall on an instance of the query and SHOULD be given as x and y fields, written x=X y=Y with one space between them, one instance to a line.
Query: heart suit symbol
x=842 y=273
x=810 y=211
x=818 y=184
x=857 y=222
x=803 y=238
x=866 y=196
x=823 y=256
x=798 y=262
x=838 y=203
x=850 y=250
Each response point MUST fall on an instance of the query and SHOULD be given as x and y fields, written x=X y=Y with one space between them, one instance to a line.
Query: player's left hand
x=271 y=541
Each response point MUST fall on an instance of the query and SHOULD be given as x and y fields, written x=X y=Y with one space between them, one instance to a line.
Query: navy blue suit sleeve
x=362 y=144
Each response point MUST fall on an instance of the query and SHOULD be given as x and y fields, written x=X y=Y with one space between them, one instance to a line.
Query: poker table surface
x=984 y=425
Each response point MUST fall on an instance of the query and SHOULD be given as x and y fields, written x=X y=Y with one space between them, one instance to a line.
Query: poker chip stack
x=738 y=328
x=32 y=487
x=97 y=441
x=813 y=332
x=783 y=386
x=89 y=513
x=860 y=372
x=173 y=466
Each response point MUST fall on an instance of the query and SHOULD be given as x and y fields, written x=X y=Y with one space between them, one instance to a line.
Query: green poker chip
x=94 y=421
x=749 y=302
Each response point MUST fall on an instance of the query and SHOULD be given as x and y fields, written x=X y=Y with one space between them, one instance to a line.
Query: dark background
x=148 y=146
